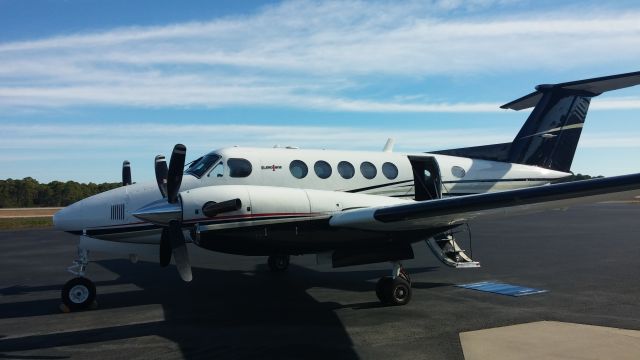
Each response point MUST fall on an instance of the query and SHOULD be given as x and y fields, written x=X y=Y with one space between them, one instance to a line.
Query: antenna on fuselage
x=388 y=147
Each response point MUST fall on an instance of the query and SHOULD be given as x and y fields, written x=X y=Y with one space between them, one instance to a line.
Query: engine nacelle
x=263 y=201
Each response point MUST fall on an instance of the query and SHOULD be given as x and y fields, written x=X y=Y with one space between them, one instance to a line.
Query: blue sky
x=87 y=84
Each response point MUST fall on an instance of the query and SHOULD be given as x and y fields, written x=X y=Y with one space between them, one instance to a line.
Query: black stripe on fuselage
x=378 y=186
x=450 y=182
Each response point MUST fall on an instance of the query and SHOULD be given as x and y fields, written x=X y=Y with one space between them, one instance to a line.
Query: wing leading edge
x=458 y=210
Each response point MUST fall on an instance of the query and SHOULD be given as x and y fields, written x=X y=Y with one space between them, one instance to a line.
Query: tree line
x=28 y=192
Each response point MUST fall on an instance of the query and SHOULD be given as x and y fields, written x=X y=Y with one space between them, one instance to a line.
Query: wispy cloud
x=159 y=137
x=199 y=137
x=311 y=55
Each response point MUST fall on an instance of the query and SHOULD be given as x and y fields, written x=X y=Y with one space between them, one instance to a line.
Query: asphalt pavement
x=587 y=257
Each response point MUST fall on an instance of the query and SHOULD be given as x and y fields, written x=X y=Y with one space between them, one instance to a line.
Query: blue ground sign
x=502 y=289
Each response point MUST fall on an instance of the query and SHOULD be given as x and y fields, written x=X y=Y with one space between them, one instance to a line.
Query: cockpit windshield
x=199 y=166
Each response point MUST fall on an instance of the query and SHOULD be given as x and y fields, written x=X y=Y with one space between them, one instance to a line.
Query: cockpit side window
x=201 y=165
x=239 y=167
x=217 y=171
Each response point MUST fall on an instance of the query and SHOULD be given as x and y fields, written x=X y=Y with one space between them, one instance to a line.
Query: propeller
x=168 y=212
x=126 y=173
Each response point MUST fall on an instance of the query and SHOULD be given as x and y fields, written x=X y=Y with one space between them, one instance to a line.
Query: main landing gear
x=395 y=289
x=278 y=263
x=79 y=293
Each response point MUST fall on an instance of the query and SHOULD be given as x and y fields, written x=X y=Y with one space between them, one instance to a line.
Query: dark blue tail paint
x=550 y=135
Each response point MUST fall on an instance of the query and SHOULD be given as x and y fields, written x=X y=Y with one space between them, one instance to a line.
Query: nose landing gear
x=395 y=289
x=79 y=293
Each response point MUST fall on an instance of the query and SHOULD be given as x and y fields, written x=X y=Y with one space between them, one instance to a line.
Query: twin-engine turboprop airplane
x=348 y=207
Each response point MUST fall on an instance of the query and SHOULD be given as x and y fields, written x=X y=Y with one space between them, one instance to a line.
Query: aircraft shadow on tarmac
x=220 y=314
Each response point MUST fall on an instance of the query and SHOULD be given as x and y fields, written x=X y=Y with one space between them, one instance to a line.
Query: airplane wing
x=458 y=210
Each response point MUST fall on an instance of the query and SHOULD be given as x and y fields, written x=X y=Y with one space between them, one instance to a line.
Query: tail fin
x=550 y=135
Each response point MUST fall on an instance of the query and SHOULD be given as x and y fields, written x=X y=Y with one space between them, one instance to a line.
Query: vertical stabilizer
x=550 y=135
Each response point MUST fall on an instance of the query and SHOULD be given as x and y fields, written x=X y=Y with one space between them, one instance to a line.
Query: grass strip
x=22 y=223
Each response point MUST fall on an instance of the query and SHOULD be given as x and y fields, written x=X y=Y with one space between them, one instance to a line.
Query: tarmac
x=588 y=258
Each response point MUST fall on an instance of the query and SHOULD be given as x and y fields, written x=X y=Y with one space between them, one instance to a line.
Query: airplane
x=347 y=207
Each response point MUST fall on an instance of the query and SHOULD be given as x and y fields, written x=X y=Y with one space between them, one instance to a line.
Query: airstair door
x=426 y=178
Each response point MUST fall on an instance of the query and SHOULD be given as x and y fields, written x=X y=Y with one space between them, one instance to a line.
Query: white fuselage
x=271 y=167
x=108 y=215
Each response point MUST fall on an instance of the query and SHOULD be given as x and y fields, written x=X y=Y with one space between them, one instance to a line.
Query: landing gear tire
x=392 y=291
x=78 y=294
x=381 y=288
x=278 y=263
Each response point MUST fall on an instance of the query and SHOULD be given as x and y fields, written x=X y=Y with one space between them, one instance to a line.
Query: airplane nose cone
x=56 y=219
x=63 y=219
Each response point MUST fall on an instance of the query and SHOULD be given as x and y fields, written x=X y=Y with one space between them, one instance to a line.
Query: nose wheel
x=395 y=289
x=78 y=294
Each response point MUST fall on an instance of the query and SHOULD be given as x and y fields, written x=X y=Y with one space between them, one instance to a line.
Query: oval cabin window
x=458 y=172
x=322 y=169
x=389 y=170
x=368 y=170
x=346 y=170
x=298 y=169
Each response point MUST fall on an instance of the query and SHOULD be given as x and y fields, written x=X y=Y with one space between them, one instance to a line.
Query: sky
x=87 y=84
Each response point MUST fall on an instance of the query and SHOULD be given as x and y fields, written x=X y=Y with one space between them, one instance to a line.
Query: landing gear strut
x=395 y=289
x=79 y=293
x=278 y=263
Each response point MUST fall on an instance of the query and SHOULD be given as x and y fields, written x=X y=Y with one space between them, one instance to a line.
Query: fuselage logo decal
x=271 y=167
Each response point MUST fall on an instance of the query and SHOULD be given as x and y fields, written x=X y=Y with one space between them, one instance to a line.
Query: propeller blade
x=126 y=173
x=176 y=168
x=161 y=174
x=165 y=248
x=179 y=249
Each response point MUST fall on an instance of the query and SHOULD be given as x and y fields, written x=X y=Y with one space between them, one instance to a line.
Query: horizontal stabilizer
x=588 y=87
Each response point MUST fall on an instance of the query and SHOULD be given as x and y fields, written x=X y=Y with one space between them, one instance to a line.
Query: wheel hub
x=79 y=294
x=400 y=293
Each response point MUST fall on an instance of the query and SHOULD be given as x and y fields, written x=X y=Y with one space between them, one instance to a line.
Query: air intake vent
x=117 y=212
